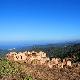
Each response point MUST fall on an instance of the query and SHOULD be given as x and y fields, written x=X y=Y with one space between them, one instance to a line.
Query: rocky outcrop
x=38 y=58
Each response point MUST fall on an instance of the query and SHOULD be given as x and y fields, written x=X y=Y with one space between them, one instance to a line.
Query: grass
x=12 y=71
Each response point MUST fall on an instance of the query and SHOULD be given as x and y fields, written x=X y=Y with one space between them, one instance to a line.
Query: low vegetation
x=12 y=71
x=70 y=51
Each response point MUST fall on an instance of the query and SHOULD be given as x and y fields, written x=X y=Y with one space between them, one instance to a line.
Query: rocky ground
x=44 y=73
x=21 y=71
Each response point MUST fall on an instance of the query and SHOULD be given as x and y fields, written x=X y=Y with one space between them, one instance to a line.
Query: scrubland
x=24 y=71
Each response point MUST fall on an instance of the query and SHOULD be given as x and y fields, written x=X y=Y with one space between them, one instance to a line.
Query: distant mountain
x=59 y=44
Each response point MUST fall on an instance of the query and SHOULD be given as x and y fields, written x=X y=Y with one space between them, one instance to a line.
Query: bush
x=12 y=69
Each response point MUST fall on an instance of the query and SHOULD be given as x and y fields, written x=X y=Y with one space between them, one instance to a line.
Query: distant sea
x=10 y=45
x=19 y=45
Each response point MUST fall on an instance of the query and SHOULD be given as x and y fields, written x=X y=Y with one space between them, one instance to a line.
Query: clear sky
x=28 y=20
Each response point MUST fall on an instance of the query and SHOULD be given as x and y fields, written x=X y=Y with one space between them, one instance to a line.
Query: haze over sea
x=19 y=44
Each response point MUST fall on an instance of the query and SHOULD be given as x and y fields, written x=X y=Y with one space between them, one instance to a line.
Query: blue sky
x=38 y=20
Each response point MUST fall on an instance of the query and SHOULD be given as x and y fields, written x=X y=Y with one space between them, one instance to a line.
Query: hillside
x=24 y=71
x=70 y=51
x=10 y=70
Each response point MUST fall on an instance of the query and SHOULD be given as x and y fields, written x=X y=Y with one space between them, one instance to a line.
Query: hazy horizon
x=20 y=44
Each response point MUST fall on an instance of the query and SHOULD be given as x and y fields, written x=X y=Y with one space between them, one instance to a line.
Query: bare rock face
x=68 y=63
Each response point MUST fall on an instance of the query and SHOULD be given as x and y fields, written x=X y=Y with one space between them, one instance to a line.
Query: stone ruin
x=39 y=58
